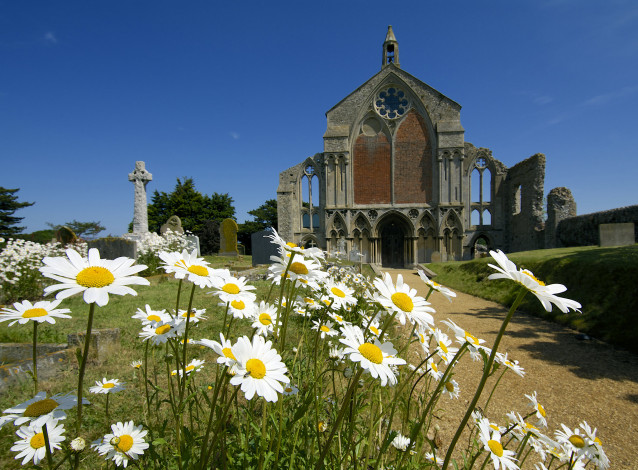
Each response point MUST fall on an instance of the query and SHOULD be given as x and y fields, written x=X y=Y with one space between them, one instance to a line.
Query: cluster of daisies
x=344 y=309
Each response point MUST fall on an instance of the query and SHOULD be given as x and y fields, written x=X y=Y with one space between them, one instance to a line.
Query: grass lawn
x=603 y=280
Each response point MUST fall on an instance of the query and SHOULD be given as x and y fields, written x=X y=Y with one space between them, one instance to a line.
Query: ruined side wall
x=560 y=206
x=525 y=186
x=582 y=230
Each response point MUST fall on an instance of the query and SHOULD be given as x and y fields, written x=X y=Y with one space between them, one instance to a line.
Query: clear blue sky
x=232 y=93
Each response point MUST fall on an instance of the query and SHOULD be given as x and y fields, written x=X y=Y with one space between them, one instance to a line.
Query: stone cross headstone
x=140 y=178
x=228 y=238
x=174 y=224
x=262 y=247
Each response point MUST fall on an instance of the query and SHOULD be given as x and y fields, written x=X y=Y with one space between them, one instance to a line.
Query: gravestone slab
x=262 y=246
x=228 y=238
x=617 y=234
x=193 y=241
x=174 y=224
x=111 y=247
x=355 y=255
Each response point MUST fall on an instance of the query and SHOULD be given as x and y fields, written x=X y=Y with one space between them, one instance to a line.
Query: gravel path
x=575 y=380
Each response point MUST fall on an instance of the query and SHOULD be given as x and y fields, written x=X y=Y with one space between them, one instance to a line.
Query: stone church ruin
x=397 y=181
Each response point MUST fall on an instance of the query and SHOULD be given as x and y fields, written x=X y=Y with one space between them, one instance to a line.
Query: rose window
x=391 y=103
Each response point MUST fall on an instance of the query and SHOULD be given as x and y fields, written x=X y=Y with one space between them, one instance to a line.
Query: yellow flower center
x=598 y=441
x=228 y=352
x=198 y=270
x=231 y=288
x=471 y=338
x=403 y=301
x=325 y=329
x=374 y=329
x=108 y=385
x=529 y=273
x=298 y=268
x=449 y=386
x=434 y=367
x=338 y=292
x=541 y=410
x=238 y=304
x=495 y=447
x=422 y=338
x=37 y=441
x=291 y=245
x=95 y=276
x=256 y=368
x=494 y=427
x=189 y=368
x=338 y=318
x=435 y=284
x=40 y=408
x=443 y=347
x=153 y=318
x=162 y=330
x=288 y=389
x=371 y=352
x=265 y=319
x=34 y=312
x=308 y=300
x=577 y=441
x=125 y=443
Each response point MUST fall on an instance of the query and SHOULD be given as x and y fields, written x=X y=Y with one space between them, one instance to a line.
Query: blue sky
x=232 y=93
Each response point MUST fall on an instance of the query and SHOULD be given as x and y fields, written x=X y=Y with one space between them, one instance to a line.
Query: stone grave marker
x=262 y=246
x=140 y=178
x=174 y=224
x=65 y=235
x=228 y=238
x=193 y=241
x=436 y=257
x=617 y=234
x=111 y=247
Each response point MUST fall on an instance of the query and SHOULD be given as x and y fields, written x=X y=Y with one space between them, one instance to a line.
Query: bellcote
x=390 y=49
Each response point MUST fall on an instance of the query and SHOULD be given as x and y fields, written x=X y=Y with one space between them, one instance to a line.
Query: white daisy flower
x=491 y=439
x=374 y=357
x=339 y=319
x=229 y=288
x=433 y=370
x=575 y=442
x=136 y=364
x=162 y=332
x=196 y=315
x=193 y=366
x=94 y=276
x=433 y=458
x=545 y=293
x=40 y=408
x=240 y=308
x=124 y=443
x=340 y=294
x=373 y=327
x=451 y=388
x=189 y=265
x=424 y=340
x=598 y=456
x=401 y=442
x=290 y=390
x=265 y=317
x=444 y=346
x=224 y=349
x=259 y=368
x=107 y=386
x=463 y=336
x=325 y=328
x=301 y=269
x=512 y=365
x=25 y=311
x=447 y=293
x=403 y=300
x=148 y=316
x=290 y=247
x=541 y=415
x=31 y=445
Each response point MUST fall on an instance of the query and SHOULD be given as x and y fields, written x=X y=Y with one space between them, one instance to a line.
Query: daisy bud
x=78 y=444
x=168 y=358
x=115 y=440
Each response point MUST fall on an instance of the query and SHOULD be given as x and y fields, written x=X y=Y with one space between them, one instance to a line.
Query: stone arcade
x=397 y=181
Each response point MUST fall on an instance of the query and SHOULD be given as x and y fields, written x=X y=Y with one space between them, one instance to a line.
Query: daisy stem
x=486 y=373
x=35 y=357
x=494 y=388
x=342 y=412
x=219 y=382
x=47 y=446
x=148 y=398
x=179 y=292
x=188 y=317
x=108 y=418
x=521 y=446
x=85 y=356
x=262 y=443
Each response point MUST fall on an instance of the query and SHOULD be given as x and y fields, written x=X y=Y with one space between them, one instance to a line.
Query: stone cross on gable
x=140 y=178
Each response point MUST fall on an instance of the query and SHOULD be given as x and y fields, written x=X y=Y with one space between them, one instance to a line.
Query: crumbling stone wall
x=560 y=206
x=582 y=230
x=524 y=216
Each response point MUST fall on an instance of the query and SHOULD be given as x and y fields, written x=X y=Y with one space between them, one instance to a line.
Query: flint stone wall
x=582 y=230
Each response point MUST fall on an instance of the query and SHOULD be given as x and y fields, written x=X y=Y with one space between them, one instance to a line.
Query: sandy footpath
x=575 y=380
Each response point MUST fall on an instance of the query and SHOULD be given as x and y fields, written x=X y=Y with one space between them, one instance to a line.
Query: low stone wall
x=582 y=230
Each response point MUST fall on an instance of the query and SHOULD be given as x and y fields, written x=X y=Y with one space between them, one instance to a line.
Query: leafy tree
x=264 y=216
x=8 y=205
x=86 y=230
x=191 y=206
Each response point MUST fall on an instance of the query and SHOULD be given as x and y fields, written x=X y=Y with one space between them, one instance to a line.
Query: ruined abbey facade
x=397 y=181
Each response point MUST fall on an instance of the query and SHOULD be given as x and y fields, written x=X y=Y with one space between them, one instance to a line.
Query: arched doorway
x=393 y=244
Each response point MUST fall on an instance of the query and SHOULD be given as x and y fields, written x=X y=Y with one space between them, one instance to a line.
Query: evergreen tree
x=8 y=205
x=85 y=230
x=191 y=206
x=264 y=216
